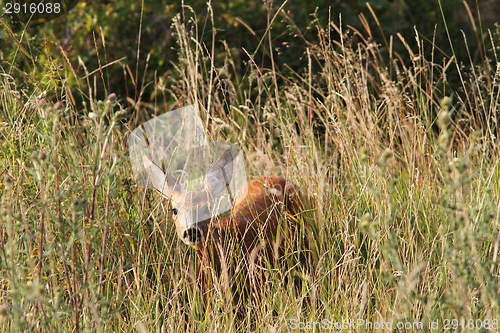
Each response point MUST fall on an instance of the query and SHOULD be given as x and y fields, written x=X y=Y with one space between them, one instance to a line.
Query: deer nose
x=192 y=236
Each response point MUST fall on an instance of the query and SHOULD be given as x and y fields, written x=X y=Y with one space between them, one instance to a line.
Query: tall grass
x=402 y=175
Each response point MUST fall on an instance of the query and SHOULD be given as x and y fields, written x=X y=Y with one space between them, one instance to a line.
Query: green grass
x=403 y=183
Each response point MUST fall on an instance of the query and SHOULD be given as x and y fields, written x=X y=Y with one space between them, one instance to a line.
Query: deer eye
x=175 y=211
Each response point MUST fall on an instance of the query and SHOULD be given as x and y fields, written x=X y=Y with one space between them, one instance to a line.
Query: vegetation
x=400 y=166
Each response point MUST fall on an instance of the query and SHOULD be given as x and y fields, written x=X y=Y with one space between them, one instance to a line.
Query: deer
x=255 y=227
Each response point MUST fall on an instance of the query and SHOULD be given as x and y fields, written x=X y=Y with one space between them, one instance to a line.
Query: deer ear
x=219 y=176
x=166 y=184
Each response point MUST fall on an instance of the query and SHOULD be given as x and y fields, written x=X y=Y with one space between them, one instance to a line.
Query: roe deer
x=255 y=224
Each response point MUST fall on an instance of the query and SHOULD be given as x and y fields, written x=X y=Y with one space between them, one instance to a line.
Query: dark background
x=241 y=24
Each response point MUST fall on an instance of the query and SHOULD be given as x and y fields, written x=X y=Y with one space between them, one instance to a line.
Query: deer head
x=193 y=210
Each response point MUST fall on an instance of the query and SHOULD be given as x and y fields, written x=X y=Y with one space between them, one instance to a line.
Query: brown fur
x=254 y=225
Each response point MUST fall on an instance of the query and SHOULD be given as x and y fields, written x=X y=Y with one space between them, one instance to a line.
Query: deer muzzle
x=192 y=236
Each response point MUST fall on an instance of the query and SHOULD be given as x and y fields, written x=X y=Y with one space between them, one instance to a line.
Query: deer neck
x=208 y=255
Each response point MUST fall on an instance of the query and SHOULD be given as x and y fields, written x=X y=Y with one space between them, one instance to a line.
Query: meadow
x=399 y=165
